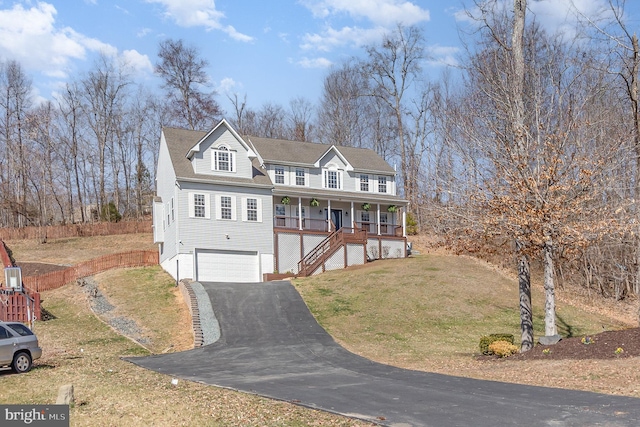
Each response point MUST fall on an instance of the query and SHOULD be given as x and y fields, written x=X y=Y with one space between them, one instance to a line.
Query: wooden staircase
x=330 y=245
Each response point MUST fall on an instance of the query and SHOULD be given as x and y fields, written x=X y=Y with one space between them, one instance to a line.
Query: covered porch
x=328 y=214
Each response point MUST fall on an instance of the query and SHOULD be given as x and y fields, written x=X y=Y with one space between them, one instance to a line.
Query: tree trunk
x=549 y=291
x=526 y=315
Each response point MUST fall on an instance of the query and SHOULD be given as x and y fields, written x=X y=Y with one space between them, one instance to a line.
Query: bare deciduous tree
x=185 y=77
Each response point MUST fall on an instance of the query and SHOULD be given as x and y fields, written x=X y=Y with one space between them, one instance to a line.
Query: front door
x=336 y=218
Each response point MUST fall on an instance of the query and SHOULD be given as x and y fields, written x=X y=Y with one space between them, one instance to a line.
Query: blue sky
x=273 y=51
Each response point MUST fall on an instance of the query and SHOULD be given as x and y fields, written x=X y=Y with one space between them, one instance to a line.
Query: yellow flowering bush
x=502 y=348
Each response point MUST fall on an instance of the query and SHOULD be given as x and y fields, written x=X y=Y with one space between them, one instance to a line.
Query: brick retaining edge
x=192 y=303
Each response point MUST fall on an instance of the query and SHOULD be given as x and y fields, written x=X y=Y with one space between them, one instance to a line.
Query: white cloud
x=380 y=12
x=331 y=38
x=315 y=63
x=30 y=37
x=227 y=85
x=443 y=55
x=382 y=15
x=199 y=13
x=137 y=61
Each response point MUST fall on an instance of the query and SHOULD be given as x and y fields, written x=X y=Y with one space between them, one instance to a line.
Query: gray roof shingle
x=307 y=153
x=280 y=151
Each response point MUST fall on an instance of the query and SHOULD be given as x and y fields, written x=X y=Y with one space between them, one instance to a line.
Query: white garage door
x=227 y=266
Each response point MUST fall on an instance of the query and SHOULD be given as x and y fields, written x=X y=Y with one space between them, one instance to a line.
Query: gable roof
x=223 y=122
x=180 y=143
x=285 y=152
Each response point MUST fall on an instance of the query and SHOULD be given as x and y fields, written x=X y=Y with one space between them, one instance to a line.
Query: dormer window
x=223 y=159
x=332 y=177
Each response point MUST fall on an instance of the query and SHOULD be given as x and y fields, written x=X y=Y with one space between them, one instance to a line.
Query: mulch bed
x=598 y=346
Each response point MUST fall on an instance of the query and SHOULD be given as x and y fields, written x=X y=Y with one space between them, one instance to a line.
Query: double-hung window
x=382 y=184
x=225 y=207
x=279 y=174
x=252 y=209
x=300 y=177
x=223 y=159
x=332 y=179
x=198 y=205
x=199 y=208
x=364 y=182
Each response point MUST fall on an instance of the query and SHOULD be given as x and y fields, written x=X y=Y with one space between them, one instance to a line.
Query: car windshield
x=20 y=329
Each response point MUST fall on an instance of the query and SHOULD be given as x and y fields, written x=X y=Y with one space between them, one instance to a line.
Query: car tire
x=21 y=362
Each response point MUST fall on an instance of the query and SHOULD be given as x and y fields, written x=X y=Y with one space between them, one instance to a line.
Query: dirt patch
x=39 y=268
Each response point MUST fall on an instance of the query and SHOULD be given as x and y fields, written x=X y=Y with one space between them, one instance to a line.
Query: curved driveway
x=271 y=345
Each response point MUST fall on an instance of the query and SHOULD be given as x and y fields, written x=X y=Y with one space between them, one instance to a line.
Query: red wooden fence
x=23 y=307
x=20 y=307
x=17 y=306
x=76 y=230
x=56 y=279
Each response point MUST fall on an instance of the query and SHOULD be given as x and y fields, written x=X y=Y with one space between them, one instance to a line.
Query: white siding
x=166 y=190
x=203 y=160
x=231 y=235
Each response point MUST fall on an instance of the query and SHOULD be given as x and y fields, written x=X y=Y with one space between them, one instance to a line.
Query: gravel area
x=101 y=306
x=208 y=321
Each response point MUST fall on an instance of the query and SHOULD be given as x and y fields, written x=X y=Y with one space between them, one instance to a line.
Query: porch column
x=329 y=215
x=300 y=217
x=378 y=220
x=404 y=222
x=353 y=220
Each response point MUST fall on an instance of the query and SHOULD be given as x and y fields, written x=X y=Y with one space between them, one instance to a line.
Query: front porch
x=325 y=216
x=301 y=224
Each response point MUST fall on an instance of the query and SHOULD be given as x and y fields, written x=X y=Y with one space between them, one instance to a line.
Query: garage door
x=227 y=266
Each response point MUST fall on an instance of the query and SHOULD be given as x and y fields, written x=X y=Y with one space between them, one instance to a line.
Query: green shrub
x=412 y=225
x=502 y=348
x=486 y=341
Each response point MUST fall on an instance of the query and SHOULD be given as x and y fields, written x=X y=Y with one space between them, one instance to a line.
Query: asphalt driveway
x=271 y=345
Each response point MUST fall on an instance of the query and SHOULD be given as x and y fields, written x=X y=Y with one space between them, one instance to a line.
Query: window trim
x=277 y=175
x=215 y=160
x=245 y=209
x=361 y=182
x=305 y=177
x=219 y=207
x=192 y=205
x=386 y=184
x=325 y=177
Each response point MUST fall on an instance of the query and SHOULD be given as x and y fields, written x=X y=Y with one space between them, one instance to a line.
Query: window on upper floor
x=251 y=209
x=198 y=205
x=224 y=159
x=332 y=178
x=301 y=177
x=279 y=174
x=226 y=207
x=364 y=182
x=382 y=184
x=173 y=213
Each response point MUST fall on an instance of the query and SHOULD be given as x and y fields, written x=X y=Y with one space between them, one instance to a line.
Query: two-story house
x=233 y=208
